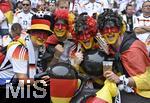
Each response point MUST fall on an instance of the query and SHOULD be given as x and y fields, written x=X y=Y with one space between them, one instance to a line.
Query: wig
x=109 y=19
x=62 y=14
x=85 y=24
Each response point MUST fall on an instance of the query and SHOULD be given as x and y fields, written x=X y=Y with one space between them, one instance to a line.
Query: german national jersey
x=16 y=61
x=23 y=19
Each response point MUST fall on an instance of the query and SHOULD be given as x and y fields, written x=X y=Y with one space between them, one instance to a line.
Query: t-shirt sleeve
x=19 y=59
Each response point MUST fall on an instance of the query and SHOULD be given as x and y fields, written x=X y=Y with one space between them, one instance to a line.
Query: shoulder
x=20 y=52
x=124 y=16
x=100 y=3
x=17 y=51
x=32 y=12
x=139 y=44
x=140 y=16
x=18 y=13
x=134 y=16
x=86 y=4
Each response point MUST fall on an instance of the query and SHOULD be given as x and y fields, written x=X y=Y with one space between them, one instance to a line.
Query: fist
x=59 y=49
x=78 y=57
x=111 y=76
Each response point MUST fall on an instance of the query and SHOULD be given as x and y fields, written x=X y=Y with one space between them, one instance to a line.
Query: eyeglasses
x=25 y=4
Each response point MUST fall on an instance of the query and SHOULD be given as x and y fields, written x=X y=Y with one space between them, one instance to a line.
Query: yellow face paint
x=111 y=34
x=37 y=41
x=60 y=28
x=88 y=44
x=38 y=38
x=60 y=33
x=111 y=38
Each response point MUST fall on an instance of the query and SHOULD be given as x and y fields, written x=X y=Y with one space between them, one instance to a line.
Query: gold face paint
x=60 y=28
x=87 y=44
x=111 y=34
x=38 y=38
x=37 y=41
x=111 y=38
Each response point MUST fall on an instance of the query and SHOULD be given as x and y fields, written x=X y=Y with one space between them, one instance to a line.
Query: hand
x=58 y=50
x=46 y=79
x=111 y=76
x=78 y=57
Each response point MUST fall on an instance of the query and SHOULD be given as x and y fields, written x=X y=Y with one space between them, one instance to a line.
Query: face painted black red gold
x=111 y=34
x=85 y=30
x=60 y=28
x=111 y=26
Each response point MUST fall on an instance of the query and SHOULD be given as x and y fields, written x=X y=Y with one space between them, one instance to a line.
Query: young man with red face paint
x=61 y=38
x=59 y=45
x=89 y=52
x=131 y=62
x=129 y=79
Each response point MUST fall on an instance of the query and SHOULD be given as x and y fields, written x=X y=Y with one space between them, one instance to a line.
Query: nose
x=84 y=37
x=42 y=36
x=109 y=30
x=60 y=26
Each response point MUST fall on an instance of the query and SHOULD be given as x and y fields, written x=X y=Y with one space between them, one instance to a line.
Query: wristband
x=123 y=84
x=124 y=80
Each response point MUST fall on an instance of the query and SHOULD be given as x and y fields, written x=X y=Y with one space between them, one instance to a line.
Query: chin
x=111 y=42
x=87 y=47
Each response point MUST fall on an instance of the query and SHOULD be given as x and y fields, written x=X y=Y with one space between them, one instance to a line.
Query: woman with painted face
x=131 y=62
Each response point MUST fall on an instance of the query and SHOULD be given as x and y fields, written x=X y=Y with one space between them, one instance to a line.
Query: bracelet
x=124 y=80
x=123 y=84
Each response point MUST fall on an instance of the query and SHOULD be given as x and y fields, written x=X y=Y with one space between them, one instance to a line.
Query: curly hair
x=109 y=18
x=85 y=23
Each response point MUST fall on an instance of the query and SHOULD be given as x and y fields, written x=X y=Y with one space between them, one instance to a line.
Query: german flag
x=5 y=7
x=62 y=90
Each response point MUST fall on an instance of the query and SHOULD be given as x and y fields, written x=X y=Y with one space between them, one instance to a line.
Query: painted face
x=86 y=40
x=60 y=28
x=111 y=34
x=38 y=38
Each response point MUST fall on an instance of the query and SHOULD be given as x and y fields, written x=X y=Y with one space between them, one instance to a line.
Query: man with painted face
x=88 y=50
x=59 y=43
x=85 y=30
x=23 y=57
x=131 y=61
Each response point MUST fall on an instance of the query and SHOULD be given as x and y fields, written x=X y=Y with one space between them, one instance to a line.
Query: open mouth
x=60 y=33
x=87 y=43
x=111 y=37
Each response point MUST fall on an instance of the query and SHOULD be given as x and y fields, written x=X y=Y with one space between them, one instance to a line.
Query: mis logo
x=14 y=90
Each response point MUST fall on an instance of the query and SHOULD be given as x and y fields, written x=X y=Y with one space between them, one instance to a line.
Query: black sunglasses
x=25 y=4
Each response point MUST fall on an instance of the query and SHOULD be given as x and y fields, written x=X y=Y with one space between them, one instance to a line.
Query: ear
x=124 y=27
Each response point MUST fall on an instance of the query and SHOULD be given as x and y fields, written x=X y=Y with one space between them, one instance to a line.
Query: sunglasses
x=25 y=4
